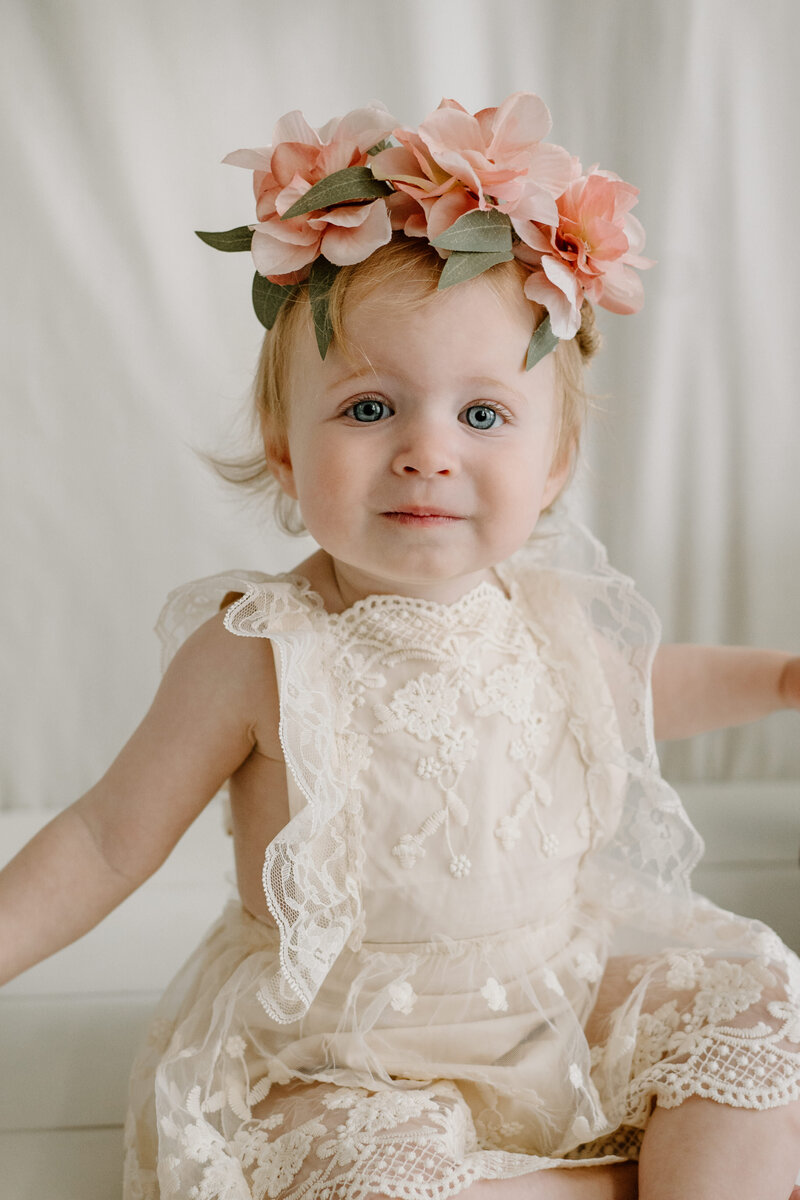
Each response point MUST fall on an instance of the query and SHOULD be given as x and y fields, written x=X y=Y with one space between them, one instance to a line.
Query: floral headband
x=482 y=189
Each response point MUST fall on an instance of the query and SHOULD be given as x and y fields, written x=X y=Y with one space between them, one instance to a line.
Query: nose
x=426 y=449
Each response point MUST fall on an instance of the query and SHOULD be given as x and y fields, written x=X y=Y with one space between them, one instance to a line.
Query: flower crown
x=483 y=189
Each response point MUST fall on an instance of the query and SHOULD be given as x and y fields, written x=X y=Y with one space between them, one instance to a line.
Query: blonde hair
x=413 y=268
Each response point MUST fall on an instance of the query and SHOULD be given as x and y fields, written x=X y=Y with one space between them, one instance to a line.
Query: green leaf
x=462 y=265
x=351 y=183
x=376 y=149
x=320 y=282
x=476 y=231
x=232 y=239
x=541 y=343
x=269 y=298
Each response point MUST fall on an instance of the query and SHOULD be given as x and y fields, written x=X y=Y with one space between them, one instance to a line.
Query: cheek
x=523 y=474
x=324 y=473
x=329 y=485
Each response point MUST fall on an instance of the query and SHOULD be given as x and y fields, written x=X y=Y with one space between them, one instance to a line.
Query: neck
x=351 y=585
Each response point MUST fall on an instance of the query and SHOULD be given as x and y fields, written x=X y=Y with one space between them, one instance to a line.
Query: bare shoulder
x=228 y=678
x=216 y=705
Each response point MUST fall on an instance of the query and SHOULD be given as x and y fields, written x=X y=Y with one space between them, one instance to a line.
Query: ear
x=276 y=453
x=560 y=472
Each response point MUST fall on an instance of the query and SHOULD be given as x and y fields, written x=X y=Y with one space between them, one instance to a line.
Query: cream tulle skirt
x=421 y=1068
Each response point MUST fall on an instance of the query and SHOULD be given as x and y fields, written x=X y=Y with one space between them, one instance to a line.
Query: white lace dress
x=488 y=959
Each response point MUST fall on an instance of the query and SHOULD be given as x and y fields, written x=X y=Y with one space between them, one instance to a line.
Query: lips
x=414 y=510
x=421 y=516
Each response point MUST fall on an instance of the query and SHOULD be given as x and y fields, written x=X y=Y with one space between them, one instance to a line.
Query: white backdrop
x=125 y=342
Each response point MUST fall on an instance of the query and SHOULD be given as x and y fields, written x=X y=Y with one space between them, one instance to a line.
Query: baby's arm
x=199 y=729
x=698 y=688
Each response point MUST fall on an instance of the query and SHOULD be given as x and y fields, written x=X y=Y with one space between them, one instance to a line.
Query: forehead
x=470 y=331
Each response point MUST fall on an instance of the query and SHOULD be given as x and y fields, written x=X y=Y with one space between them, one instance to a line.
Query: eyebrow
x=480 y=381
x=361 y=373
x=490 y=382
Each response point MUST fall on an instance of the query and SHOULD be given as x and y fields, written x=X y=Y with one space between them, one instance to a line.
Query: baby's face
x=427 y=459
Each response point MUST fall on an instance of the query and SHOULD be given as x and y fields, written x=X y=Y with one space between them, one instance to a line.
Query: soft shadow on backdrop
x=125 y=342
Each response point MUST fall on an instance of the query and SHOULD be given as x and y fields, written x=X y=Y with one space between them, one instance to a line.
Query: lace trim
x=380 y=618
x=311 y=856
x=643 y=872
x=415 y=1143
x=188 y=606
x=711 y=1027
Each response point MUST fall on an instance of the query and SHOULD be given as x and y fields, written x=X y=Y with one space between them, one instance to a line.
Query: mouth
x=421 y=516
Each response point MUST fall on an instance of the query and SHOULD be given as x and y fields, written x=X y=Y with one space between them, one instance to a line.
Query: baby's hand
x=790 y=684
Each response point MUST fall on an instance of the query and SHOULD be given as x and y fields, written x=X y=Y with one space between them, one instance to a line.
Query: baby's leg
x=614 y=1182
x=706 y=1150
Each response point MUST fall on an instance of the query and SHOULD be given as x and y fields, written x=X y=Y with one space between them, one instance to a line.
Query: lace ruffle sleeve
x=188 y=606
x=310 y=877
x=643 y=872
x=309 y=881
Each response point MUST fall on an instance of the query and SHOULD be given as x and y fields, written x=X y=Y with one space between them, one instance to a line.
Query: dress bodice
x=449 y=766
x=468 y=808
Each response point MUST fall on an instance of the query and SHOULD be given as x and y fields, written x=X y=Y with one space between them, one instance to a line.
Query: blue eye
x=367 y=411
x=480 y=416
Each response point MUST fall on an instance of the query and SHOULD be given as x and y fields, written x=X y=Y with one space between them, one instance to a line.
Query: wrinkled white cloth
x=488 y=958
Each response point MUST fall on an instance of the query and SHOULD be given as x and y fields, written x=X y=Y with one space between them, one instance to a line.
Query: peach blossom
x=588 y=253
x=455 y=162
x=299 y=157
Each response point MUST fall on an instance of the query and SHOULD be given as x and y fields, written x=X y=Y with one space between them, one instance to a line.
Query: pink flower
x=587 y=253
x=456 y=162
x=428 y=200
x=298 y=158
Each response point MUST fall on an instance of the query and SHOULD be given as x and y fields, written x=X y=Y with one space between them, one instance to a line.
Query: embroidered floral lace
x=488 y=959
